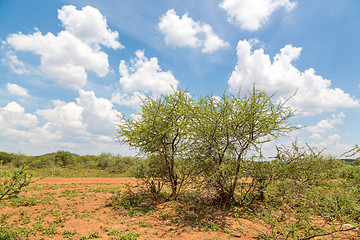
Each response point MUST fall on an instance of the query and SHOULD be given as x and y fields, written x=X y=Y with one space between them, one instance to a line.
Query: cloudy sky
x=68 y=68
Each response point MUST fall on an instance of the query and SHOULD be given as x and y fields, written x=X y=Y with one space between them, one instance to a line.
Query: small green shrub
x=20 y=160
x=308 y=166
x=87 y=161
x=94 y=235
x=42 y=162
x=116 y=163
x=68 y=234
x=351 y=173
x=64 y=158
x=13 y=182
x=6 y=158
x=9 y=234
x=133 y=202
x=152 y=174
x=129 y=236
x=22 y=201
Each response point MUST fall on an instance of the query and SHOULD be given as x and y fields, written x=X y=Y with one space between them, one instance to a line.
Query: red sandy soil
x=87 y=212
x=58 y=180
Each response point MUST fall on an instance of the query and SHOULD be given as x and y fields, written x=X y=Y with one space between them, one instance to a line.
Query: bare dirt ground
x=59 y=180
x=77 y=208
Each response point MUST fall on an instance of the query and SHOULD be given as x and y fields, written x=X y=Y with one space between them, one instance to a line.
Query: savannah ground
x=88 y=204
x=78 y=208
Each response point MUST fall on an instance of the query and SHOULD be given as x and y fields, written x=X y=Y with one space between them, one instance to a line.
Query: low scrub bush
x=308 y=165
x=42 y=162
x=117 y=163
x=351 y=173
x=87 y=161
x=13 y=181
x=6 y=158
x=151 y=173
x=137 y=203
x=64 y=158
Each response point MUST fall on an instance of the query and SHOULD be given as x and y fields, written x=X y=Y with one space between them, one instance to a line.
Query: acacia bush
x=351 y=173
x=261 y=174
x=308 y=165
x=299 y=169
x=64 y=158
x=87 y=161
x=230 y=130
x=152 y=173
x=210 y=138
x=215 y=144
x=6 y=158
x=45 y=161
x=116 y=163
x=161 y=129
x=12 y=181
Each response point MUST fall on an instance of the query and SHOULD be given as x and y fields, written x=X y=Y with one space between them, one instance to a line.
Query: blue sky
x=68 y=68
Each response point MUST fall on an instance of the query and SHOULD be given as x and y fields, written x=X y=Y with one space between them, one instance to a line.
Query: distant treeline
x=105 y=161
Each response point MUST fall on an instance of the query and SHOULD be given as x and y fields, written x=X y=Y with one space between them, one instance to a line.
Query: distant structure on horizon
x=348 y=160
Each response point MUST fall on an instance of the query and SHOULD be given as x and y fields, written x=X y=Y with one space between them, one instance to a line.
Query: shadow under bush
x=135 y=203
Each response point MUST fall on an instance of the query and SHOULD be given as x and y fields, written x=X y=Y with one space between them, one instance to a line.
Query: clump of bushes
x=214 y=144
x=210 y=138
x=208 y=151
x=117 y=163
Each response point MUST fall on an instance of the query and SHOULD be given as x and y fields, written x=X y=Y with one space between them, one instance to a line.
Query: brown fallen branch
x=325 y=234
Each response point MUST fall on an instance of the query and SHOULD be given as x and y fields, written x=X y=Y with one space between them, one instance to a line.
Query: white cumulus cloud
x=13 y=116
x=332 y=145
x=316 y=136
x=98 y=113
x=327 y=124
x=15 y=89
x=14 y=64
x=89 y=25
x=185 y=32
x=88 y=115
x=86 y=126
x=64 y=119
x=20 y=130
x=133 y=100
x=146 y=75
x=252 y=14
x=69 y=54
x=314 y=93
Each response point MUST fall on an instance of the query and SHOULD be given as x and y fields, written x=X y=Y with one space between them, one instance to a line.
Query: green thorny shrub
x=153 y=174
x=117 y=163
x=307 y=166
x=303 y=201
x=209 y=139
x=299 y=169
x=13 y=181
x=227 y=130
x=162 y=130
